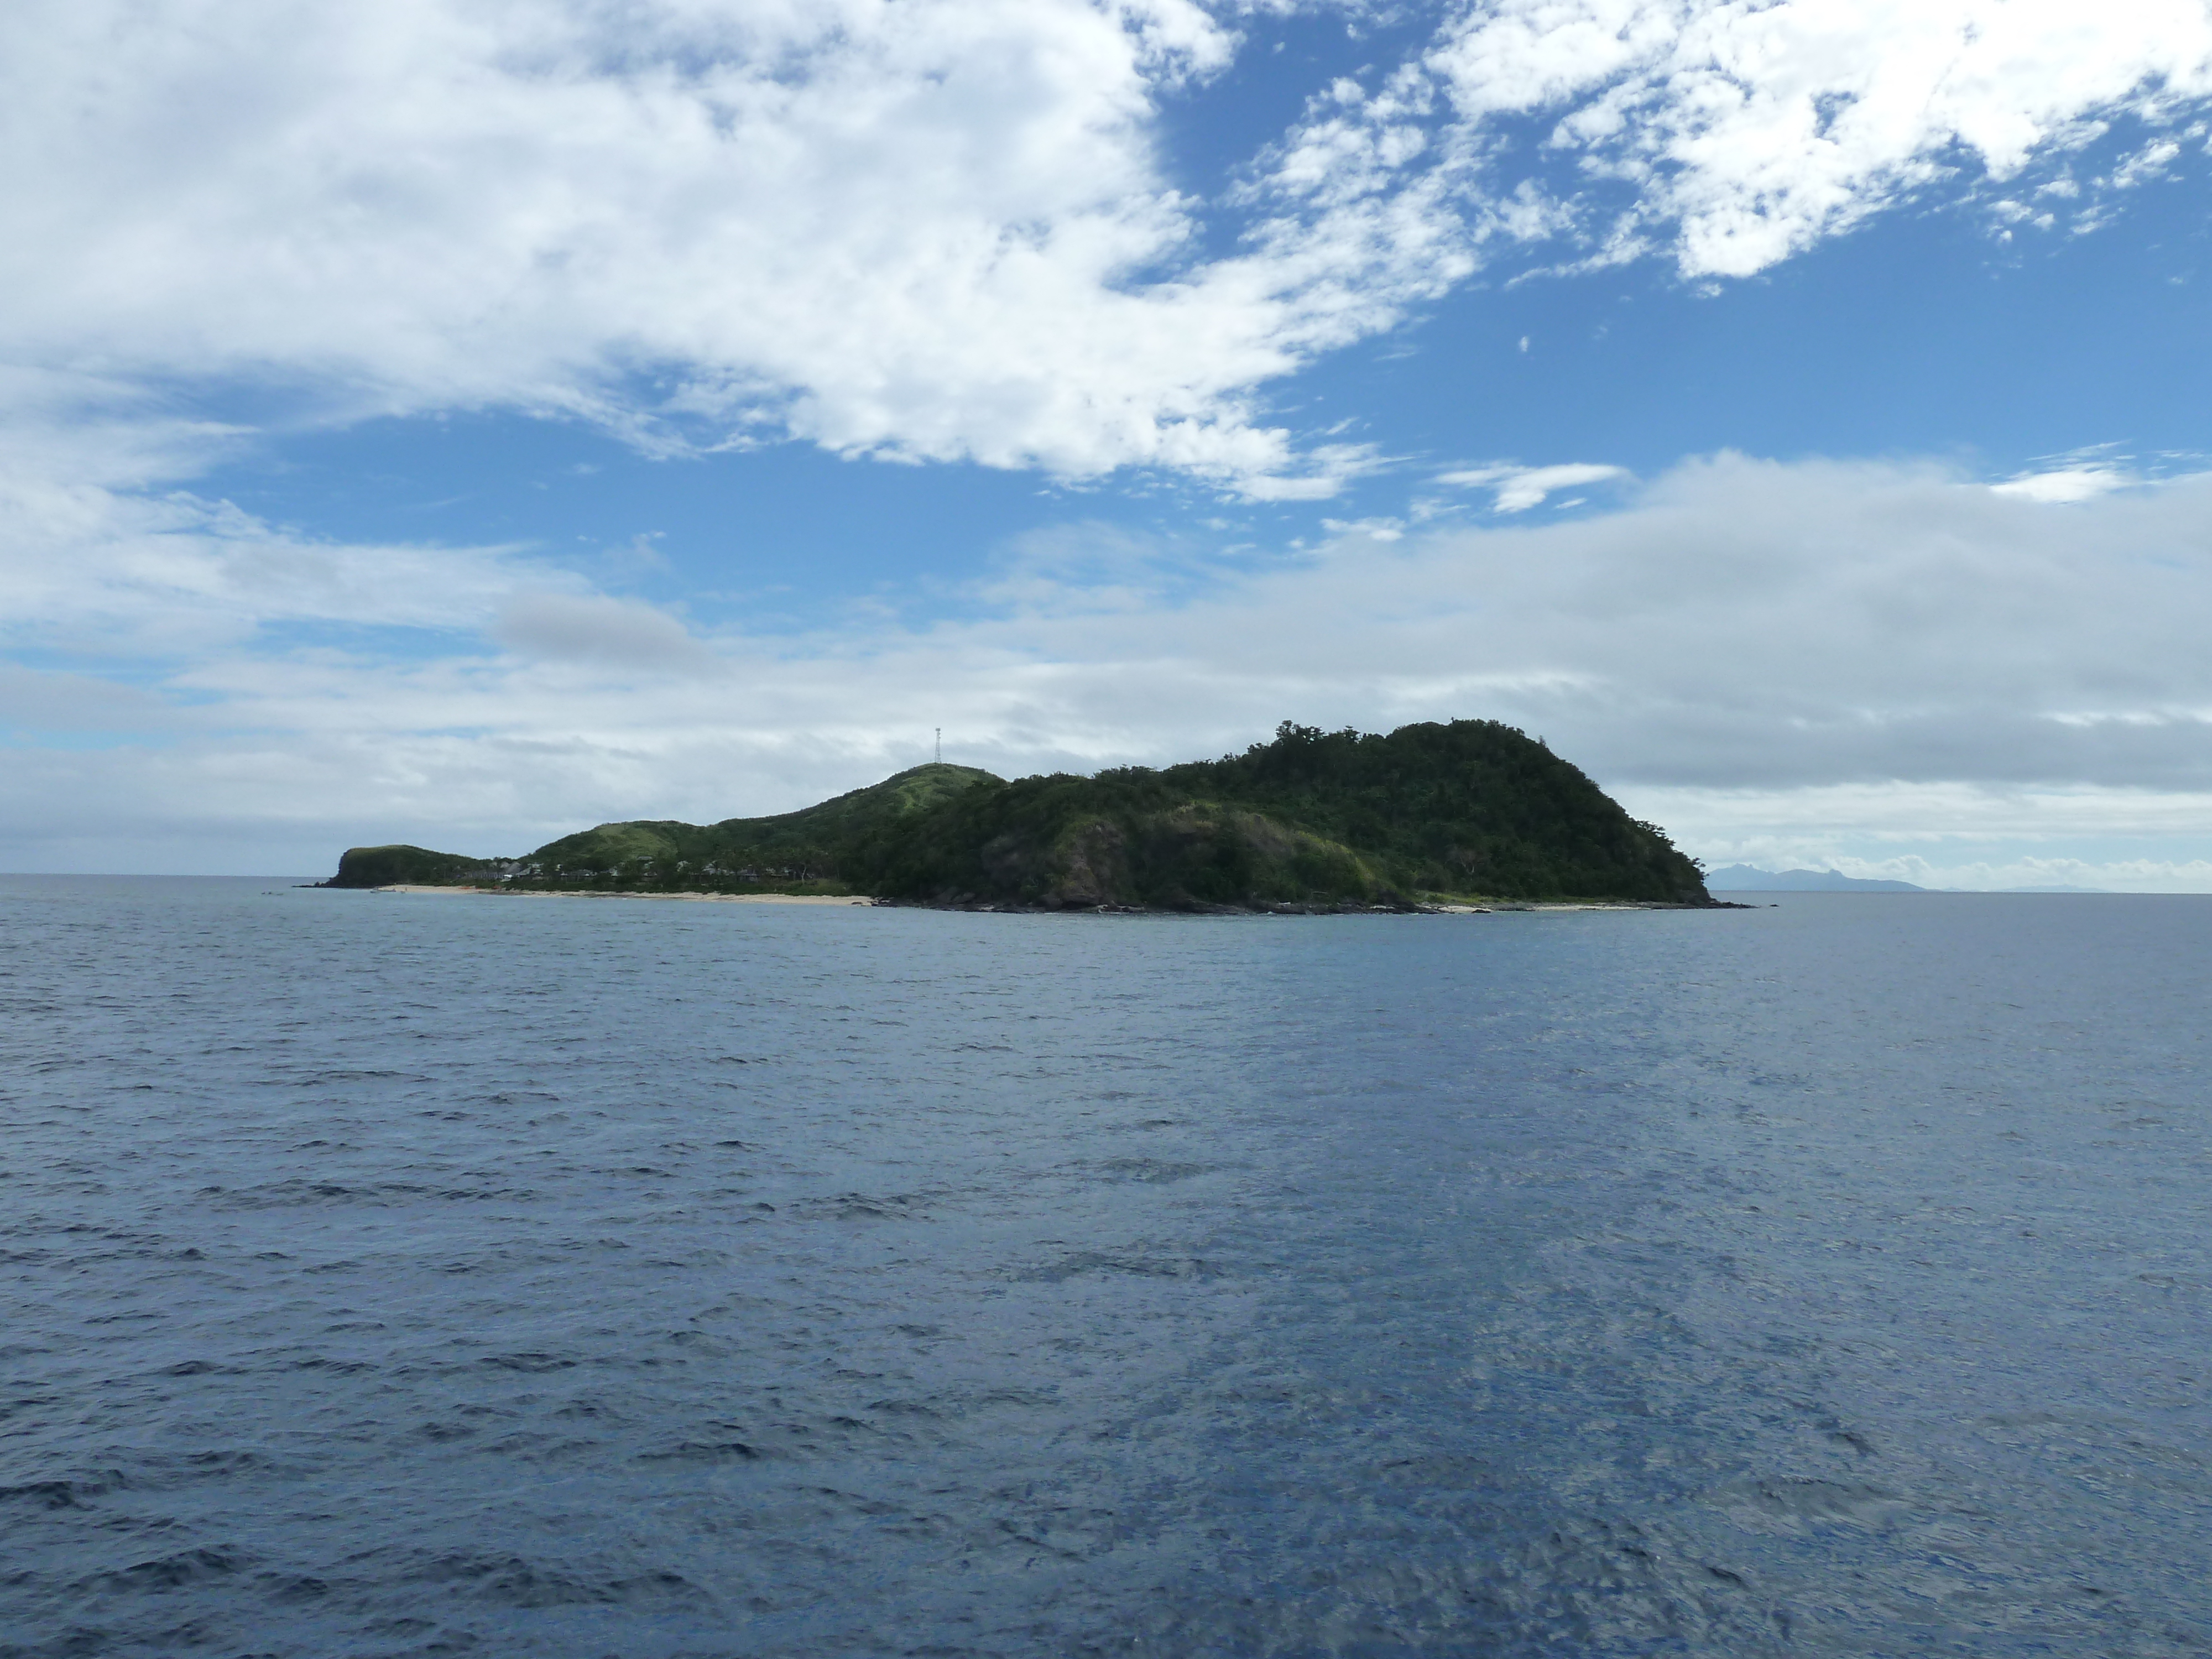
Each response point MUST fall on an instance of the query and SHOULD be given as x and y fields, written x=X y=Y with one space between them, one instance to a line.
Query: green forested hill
x=1467 y=809
x=808 y=845
x=398 y=863
x=736 y=854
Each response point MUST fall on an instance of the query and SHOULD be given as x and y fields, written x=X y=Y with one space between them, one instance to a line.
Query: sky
x=461 y=424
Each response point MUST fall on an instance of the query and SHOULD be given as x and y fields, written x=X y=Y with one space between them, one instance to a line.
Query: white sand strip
x=694 y=898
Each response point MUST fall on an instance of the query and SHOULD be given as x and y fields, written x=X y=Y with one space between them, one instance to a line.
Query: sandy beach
x=691 y=898
x=824 y=898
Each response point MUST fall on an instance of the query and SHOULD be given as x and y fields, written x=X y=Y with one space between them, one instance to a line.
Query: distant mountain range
x=1466 y=810
x=1748 y=878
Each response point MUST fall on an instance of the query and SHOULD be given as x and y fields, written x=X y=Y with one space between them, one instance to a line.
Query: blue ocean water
x=390 y=1275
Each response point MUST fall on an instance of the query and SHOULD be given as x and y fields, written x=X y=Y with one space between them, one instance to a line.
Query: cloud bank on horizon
x=1066 y=238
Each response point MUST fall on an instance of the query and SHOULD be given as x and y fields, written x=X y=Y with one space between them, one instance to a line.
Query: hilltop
x=1464 y=810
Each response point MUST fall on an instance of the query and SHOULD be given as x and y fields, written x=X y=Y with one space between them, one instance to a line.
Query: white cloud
x=936 y=229
x=617 y=634
x=1379 y=529
x=2066 y=484
x=2149 y=162
x=1745 y=131
x=116 y=574
x=1745 y=646
x=1516 y=489
x=1950 y=835
x=933 y=229
x=60 y=701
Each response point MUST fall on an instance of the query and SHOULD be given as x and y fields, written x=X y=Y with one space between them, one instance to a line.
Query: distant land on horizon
x=1750 y=879
x=1464 y=811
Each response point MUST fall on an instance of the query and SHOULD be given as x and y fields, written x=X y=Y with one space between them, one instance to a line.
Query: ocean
x=396 y=1275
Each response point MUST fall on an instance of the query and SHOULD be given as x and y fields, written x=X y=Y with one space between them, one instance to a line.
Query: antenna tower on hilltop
x=940 y=745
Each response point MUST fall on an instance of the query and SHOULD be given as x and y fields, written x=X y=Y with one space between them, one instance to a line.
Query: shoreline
x=695 y=898
x=852 y=901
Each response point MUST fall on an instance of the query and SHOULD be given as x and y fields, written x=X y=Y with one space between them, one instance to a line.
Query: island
x=1439 y=814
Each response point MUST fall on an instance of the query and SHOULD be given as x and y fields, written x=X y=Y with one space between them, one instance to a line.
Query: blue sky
x=460 y=424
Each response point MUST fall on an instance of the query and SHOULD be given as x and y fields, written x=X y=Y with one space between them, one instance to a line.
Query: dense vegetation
x=1468 y=809
x=806 y=851
x=398 y=864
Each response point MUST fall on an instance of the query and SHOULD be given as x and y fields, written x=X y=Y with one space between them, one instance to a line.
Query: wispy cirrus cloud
x=2084 y=474
x=1515 y=489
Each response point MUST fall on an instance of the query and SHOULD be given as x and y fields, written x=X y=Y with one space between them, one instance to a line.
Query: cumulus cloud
x=1743 y=132
x=936 y=229
x=1744 y=649
x=941 y=229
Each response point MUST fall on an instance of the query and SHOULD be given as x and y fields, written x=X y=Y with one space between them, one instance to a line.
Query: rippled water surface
x=412 y=1275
